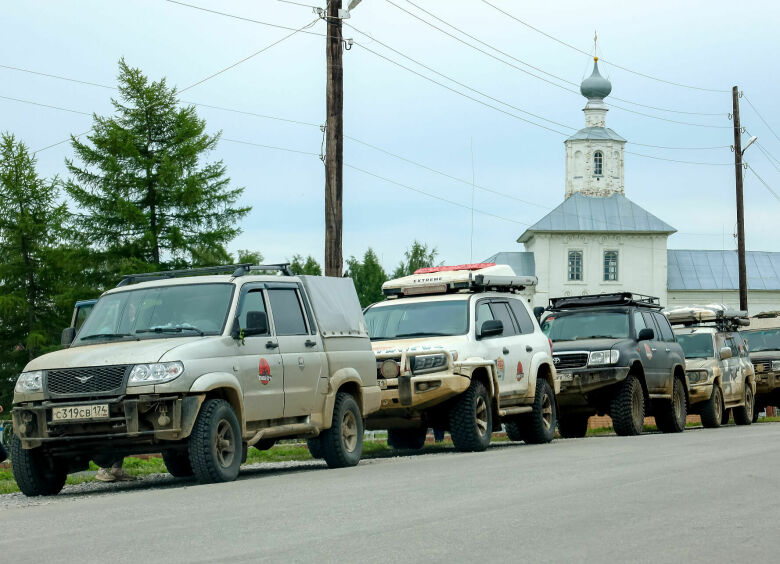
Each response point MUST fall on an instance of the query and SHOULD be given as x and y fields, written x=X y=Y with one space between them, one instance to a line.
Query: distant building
x=598 y=241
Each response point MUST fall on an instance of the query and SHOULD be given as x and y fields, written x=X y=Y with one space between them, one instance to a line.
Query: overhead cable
x=777 y=197
x=760 y=116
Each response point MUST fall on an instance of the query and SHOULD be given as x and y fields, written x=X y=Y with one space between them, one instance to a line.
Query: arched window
x=598 y=163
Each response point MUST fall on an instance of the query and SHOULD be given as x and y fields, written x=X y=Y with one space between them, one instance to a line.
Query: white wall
x=758 y=300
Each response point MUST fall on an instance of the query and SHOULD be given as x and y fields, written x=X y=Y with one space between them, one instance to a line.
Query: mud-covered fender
x=468 y=366
x=229 y=386
x=346 y=378
x=538 y=360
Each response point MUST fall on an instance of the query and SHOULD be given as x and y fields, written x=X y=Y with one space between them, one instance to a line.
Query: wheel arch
x=224 y=386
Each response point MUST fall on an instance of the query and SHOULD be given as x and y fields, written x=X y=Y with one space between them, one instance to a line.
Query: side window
x=651 y=324
x=483 y=313
x=253 y=301
x=732 y=344
x=666 y=330
x=82 y=314
x=741 y=344
x=639 y=323
x=521 y=314
x=501 y=312
x=286 y=308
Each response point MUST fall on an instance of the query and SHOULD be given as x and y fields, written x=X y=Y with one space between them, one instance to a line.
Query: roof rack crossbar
x=235 y=269
x=591 y=300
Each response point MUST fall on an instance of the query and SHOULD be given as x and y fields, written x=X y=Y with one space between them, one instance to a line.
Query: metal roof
x=615 y=213
x=589 y=133
x=523 y=263
x=719 y=270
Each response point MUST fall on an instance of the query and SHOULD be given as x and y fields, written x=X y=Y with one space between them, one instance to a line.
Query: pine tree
x=368 y=277
x=31 y=227
x=145 y=192
x=308 y=266
x=417 y=256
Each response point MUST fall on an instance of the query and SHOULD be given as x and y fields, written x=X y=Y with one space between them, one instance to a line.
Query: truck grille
x=564 y=361
x=86 y=381
x=762 y=365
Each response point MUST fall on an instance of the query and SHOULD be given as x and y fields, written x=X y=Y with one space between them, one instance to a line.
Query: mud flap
x=405 y=389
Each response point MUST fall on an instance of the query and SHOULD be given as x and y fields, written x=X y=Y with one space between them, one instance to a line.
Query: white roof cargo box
x=711 y=313
x=464 y=277
x=336 y=306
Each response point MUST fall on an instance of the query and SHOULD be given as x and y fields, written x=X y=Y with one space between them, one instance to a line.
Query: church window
x=610 y=265
x=598 y=163
x=575 y=265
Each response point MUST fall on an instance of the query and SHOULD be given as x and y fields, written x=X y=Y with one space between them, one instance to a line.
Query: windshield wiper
x=103 y=335
x=169 y=330
x=423 y=334
x=596 y=337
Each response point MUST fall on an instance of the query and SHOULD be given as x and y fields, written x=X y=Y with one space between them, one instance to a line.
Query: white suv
x=458 y=349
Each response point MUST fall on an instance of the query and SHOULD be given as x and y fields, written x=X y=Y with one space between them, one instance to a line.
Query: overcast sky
x=708 y=44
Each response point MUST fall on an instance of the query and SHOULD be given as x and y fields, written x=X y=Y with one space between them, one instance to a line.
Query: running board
x=660 y=396
x=518 y=410
x=302 y=430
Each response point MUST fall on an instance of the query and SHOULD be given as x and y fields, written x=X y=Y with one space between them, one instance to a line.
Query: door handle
x=310 y=343
x=668 y=349
x=528 y=348
x=271 y=345
x=506 y=350
x=652 y=349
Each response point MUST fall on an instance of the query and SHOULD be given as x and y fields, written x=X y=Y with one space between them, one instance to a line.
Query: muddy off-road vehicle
x=616 y=355
x=717 y=365
x=199 y=366
x=457 y=349
x=763 y=337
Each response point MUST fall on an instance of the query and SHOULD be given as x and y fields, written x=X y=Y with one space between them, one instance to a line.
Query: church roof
x=719 y=270
x=596 y=86
x=614 y=213
x=588 y=133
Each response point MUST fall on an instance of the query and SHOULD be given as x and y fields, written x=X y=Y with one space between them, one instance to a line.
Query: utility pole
x=334 y=141
x=743 y=303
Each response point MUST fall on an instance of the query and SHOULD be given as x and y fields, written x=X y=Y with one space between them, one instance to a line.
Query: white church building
x=598 y=241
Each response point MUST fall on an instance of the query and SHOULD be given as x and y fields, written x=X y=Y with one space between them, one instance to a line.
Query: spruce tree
x=368 y=277
x=146 y=194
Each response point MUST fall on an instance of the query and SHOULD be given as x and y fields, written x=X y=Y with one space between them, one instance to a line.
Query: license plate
x=566 y=376
x=76 y=413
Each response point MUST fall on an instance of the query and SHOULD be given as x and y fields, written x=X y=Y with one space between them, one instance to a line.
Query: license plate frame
x=75 y=413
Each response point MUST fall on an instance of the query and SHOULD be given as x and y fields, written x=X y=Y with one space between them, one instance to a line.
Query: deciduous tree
x=368 y=277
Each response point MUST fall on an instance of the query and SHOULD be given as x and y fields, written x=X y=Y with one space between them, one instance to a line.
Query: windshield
x=586 y=325
x=162 y=311
x=418 y=319
x=696 y=345
x=765 y=340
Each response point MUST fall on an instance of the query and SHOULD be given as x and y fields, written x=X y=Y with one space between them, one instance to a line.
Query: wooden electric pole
x=743 y=303
x=334 y=141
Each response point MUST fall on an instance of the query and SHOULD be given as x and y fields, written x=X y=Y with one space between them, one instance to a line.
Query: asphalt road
x=703 y=495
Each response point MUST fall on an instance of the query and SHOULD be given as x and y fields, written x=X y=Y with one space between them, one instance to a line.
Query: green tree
x=368 y=277
x=145 y=192
x=417 y=256
x=31 y=228
x=308 y=266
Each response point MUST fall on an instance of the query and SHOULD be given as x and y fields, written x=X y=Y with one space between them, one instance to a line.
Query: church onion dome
x=595 y=86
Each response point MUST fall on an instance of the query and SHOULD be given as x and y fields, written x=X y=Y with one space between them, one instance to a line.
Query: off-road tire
x=628 y=408
x=215 y=447
x=712 y=410
x=743 y=415
x=670 y=416
x=342 y=444
x=406 y=439
x=573 y=426
x=471 y=419
x=315 y=447
x=32 y=472
x=178 y=463
x=514 y=428
x=264 y=444
x=757 y=409
x=726 y=414
x=539 y=425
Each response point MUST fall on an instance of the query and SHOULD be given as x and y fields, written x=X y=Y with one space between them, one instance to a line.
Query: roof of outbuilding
x=614 y=213
x=719 y=270
x=523 y=263
x=588 y=133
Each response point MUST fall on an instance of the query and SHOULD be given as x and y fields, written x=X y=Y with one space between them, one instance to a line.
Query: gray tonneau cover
x=336 y=306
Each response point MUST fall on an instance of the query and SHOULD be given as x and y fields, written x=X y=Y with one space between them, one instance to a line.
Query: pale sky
x=708 y=44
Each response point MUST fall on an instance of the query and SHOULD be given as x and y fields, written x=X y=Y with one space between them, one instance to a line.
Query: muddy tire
x=406 y=439
x=35 y=474
x=573 y=426
x=178 y=463
x=471 y=419
x=743 y=415
x=539 y=425
x=712 y=410
x=215 y=443
x=726 y=414
x=514 y=428
x=342 y=444
x=628 y=408
x=757 y=409
x=671 y=416
x=315 y=447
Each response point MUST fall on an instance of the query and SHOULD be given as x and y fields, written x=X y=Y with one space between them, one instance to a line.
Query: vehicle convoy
x=199 y=365
x=717 y=365
x=457 y=349
x=616 y=355
x=763 y=337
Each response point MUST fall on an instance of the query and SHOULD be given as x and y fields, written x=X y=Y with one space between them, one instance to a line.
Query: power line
x=777 y=197
x=760 y=116
x=270 y=147
x=604 y=60
x=45 y=105
x=676 y=160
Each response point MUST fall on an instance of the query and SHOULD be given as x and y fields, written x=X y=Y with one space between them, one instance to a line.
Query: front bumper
x=145 y=417
x=580 y=381
x=700 y=391
x=767 y=382
x=407 y=394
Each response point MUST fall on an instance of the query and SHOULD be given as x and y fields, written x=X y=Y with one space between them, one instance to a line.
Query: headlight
x=775 y=365
x=29 y=382
x=156 y=373
x=428 y=363
x=603 y=357
x=697 y=376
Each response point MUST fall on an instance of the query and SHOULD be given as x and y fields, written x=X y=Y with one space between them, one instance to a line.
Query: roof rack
x=465 y=277
x=235 y=269
x=714 y=315
x=596 y=300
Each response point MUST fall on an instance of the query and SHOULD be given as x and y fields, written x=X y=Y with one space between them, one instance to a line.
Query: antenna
x=473 y=183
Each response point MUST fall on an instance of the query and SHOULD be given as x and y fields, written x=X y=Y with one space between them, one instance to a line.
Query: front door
x=651 y=351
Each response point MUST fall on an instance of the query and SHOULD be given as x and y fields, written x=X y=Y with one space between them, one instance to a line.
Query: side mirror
x=725 y=353
x=68 y=334
x=491 y=327
x=235 y=329
x=256 y=323
x=646 y=335
x=538 y=311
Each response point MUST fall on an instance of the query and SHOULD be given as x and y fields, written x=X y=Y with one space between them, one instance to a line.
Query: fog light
x=390 y=369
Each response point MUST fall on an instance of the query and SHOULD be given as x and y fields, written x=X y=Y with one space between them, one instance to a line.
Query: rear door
x=732 y=370
x=654 y=357
x=299 y=345
x=505 y=348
